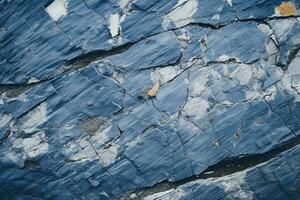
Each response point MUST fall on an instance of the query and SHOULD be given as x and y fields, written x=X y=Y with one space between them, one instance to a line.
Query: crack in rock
x=139 y=99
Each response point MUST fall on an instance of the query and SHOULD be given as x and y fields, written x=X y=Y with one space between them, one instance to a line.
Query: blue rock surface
x=139 y=99
x=276 y=179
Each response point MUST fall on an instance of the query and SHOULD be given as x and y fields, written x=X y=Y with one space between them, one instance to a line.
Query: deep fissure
x=221 y=169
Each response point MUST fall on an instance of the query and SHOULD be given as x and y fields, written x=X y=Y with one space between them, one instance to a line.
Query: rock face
x=280 y=174
x=177 y=99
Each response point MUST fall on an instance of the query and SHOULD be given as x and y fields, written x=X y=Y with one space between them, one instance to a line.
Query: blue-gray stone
x=149 y=100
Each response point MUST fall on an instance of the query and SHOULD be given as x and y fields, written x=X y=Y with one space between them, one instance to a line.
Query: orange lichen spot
x=287 y=9
x=153 y=91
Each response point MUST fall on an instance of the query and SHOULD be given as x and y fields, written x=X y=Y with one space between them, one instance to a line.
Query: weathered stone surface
x=275 y=179
x=110 y=99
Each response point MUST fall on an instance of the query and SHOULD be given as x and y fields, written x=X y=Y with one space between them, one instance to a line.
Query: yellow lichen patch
x=287 y=9
x=152 y=92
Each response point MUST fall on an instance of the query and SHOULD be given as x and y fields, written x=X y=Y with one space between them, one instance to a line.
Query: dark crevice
x=267 y=18
x=294 y=52
x=87 y=58
x=207 y=25
x=4 y=137
x=229 y=61
x=223 y=24
x=14 y=90
x=48 y=2
x=32 y=165
x=220 y=169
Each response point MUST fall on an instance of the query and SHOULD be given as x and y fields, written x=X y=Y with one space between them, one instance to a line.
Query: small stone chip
x=287 y=9
x=152 y=92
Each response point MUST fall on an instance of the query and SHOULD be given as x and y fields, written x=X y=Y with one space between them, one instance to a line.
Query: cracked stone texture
x=77 y=121
x=278 y=178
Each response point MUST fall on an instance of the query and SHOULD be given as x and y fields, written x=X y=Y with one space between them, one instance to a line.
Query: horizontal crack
x=85 y=59
x=223 y=168
x=223 y=24
x=14 y=90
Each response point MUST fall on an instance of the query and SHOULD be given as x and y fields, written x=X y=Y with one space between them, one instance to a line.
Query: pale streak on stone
x=34 y=145
x=159 y=195
x=57 y=9
x=196 y=108
x=138 y=140
x=272 y=91
x=34 y=118
x=288 y=80
x=5 y=119
x=216 y=17
x=80 y=150
x=232 y=185
x=265 y=29
x=123 y=3
x=243 y=73
x=271 y=50
x=68 y=127
x=162 y=75
x=229 y=2
x=33 y=80
x=180 y=2
x=100 y=137
x=294 y=66
x=84 y=150
x=114 y=24
x=283 y=27
x=183 y=38
x=21 y=97
x=108 y=155
x=14 y=158
x=224 y=57
x=183 y=14
x=197 y=86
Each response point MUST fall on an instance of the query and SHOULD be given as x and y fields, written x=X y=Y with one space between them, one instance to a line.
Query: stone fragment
x=57 y=9
x=153 y=91
x=287 y=9
x=114 y=24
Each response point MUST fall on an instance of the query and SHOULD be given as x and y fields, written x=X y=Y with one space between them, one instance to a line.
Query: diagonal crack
x=220 y=169
x=14 y=90
x=279 y=117
x=87 y=58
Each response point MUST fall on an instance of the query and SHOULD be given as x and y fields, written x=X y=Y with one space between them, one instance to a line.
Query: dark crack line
x=5 y=136
x=280 y=118
x=14 y=90
x=223 y=24
x=100 y=162
x=84 y=60
x=222 y=168
x=87 y=58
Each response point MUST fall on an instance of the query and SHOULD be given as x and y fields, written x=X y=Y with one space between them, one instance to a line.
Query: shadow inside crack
x=223 y=168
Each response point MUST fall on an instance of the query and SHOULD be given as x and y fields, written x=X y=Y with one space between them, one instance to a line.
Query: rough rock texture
x=140 y=99
x=281 y=174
